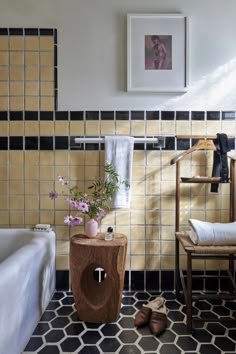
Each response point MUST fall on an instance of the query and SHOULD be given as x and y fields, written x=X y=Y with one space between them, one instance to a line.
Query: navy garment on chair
x=220 y=161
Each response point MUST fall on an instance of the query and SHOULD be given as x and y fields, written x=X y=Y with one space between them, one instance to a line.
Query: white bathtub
x=27 y=283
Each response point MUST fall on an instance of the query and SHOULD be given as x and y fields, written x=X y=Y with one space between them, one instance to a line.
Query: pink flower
x=71 y=202
x=73 y=221
x=53 y=195
x=63 y=181
x=82 y=206
x=100 y=215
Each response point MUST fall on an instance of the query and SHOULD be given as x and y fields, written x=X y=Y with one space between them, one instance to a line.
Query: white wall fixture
x=157 y=52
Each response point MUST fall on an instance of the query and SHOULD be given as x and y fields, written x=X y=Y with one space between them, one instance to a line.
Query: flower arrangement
x=95 y=204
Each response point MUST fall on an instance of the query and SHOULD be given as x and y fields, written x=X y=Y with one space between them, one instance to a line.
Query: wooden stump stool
x=97 y=301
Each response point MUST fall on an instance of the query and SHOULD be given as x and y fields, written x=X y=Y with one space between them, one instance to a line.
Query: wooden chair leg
x=189 y=292
x=177 y=275
x=231 y=271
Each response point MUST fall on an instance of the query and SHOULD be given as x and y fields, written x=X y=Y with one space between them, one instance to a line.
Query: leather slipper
x=157 y=322
x=143 y=316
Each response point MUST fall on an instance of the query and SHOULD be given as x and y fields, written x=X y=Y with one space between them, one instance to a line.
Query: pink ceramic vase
x=91 y=228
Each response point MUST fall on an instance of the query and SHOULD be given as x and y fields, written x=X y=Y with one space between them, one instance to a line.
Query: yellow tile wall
x=27 y=73
x=26 y=177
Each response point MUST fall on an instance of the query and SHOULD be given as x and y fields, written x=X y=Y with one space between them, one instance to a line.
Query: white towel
x=212 y=234
x=119 y=153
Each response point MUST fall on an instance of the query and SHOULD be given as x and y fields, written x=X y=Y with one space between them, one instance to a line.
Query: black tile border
x=16 y=115
x=76 y=115
x=197 y=115
x=107 y=115
x=228 y=115
x=16 y=31
x=125 y=115
x=46 y=115
x=61 y=115
x=3 y=115
x=213 y=115
x=182 y=115
x=152 y=115
x=137 y=115
x=16 y=143
x=62 y=279
x=92 y=115
x=4 y=143
x=148 y=280
x=172 y=143
x=68 y=143
x=31 y=115
x=167 y=115
x=31 y=143
x=122 y=115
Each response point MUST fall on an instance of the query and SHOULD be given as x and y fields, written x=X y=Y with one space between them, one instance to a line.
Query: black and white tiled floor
x=61 y=331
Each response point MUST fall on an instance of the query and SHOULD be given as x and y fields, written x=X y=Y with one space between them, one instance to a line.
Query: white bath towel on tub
x=212 y=234
x=119 y=153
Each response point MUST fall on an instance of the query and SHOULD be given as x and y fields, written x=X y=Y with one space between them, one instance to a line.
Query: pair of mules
x=153 y=314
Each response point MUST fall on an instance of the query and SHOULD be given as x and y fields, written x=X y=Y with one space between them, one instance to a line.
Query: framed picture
x=157 y=52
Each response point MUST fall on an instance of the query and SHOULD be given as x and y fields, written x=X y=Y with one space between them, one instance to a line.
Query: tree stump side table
x=97 y=302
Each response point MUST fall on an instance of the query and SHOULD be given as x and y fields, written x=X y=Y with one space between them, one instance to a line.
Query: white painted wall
x=92 y=51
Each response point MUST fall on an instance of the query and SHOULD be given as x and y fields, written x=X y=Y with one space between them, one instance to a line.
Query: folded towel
x=119 y=153
x=212 y=234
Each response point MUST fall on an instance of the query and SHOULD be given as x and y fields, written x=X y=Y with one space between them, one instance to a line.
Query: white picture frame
x=157 y=52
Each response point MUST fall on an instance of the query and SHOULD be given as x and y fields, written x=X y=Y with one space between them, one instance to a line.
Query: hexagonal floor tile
x=221 y=310
x=216 y=328
x=149 y=343
x=169 y=295
x=53 y=305
x=129 y=349
x=60 y=329
x=91 y=337
x=110 y=329
x=209 y=349
x=187 y=343
x=48 y=316
x=232 y=334
x=179 y=328
x=175 y=316
x=34 y=344
x=167 y=336
x=225 y=344
x=89 y=349
x=69 y=300
x=60 y=322
x=74 y=329
x=128 y=336
x=128 y=300
x=65 y=310
x=127 y=310
x=49 y=349
x=58 y=295
x=142 y=296
x=41 y=329
x=55 y=335
x=173 y=304
x=169 y=348
x=202 y=305
x=230 y=305
x=126 y=322
x=202 y=336
x=109 y=345
x=70 y=344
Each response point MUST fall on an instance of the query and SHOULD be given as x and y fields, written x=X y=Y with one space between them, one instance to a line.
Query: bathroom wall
x=29 y=171
x=92 y=101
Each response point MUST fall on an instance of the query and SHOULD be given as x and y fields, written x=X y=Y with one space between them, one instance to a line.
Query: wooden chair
x=200 y=252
